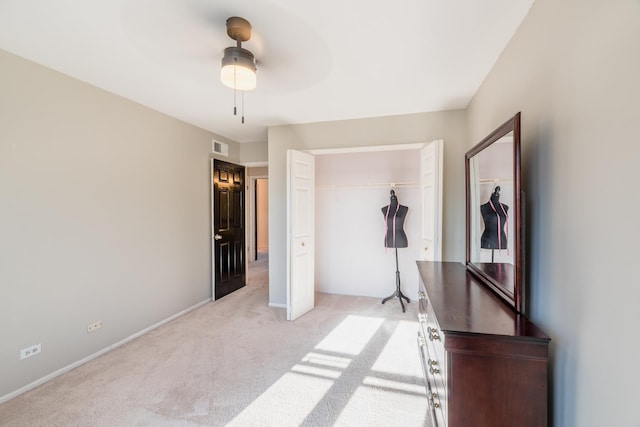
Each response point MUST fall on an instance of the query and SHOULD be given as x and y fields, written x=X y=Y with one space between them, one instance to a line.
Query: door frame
x=249 y=213
x=252 y=245
x=249 y=204
x=212 y=225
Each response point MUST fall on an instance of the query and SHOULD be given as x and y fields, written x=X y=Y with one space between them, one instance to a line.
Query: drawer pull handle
x=434 y=371
x=433 y=334
x=432 y=362
x=422 y=295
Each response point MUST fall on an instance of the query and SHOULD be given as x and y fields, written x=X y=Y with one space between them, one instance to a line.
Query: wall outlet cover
x=30 y=351
x=95 y=325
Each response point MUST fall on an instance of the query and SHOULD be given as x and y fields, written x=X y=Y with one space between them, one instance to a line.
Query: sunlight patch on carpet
x=399 y=353
x=283 y=404
x=351 y=335
x=327 y=360
x=319 y=372
x=397 y=386
x=396 y=408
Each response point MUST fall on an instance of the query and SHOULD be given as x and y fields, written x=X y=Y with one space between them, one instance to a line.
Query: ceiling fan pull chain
x=235 y=96
x=242 y=107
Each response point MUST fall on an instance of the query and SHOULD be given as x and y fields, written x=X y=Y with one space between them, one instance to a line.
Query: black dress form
x=395 y=214
x=495 y=217
x=395 y=237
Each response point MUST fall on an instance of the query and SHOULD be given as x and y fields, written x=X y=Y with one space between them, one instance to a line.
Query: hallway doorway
x=261 y=217
x=258 y=226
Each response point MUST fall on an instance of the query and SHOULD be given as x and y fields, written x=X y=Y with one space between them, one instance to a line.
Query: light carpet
x=237 y=362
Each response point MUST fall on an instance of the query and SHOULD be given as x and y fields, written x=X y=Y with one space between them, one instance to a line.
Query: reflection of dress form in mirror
x=395 y=237
x=496 y=219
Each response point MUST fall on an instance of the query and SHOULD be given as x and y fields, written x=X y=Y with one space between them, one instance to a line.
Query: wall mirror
x=494 y=212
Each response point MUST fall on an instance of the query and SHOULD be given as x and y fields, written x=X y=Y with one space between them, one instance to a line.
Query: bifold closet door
x=300 y=233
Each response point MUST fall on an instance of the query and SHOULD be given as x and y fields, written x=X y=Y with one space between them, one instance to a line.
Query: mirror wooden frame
x=514 y=298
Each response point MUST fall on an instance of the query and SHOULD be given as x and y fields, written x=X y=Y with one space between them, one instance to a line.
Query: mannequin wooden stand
x=398 y=293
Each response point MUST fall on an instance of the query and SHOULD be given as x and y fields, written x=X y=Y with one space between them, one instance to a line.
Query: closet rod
x=373 y=185
x=496 y=180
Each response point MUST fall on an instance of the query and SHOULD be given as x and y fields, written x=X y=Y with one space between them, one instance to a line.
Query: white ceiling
x=317 y=60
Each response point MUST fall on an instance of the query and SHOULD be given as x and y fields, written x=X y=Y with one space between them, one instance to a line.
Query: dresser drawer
x=434 y=387
x=430 y=342
x=434 y=338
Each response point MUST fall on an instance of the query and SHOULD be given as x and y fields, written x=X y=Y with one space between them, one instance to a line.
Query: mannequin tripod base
x=398 y=293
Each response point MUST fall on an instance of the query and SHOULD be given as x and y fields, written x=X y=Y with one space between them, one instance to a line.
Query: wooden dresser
x=485 y=365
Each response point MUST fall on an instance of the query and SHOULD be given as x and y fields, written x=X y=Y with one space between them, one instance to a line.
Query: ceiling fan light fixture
x=238 y=65
x=238 y=69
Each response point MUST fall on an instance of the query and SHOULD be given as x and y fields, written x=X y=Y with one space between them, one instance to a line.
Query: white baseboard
x=89 y=358
x=273 y=304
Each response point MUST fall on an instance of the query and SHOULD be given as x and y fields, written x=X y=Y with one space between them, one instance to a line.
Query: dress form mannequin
x=495 y=217
x=395 y=237
x=394 y=214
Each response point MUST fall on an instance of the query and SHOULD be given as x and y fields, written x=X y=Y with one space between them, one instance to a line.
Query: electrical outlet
x=95 y=325
x=30 y=351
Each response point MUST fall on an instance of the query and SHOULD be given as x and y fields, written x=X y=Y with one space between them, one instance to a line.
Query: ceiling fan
x=238 y=64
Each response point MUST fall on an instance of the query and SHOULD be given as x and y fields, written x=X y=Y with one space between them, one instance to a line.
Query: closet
x=351 y=187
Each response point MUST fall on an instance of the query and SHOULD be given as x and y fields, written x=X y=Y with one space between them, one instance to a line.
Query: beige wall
x=260 y=172
x=253 y=152
x=104 y=215
x=572 y=69
x=425 y=127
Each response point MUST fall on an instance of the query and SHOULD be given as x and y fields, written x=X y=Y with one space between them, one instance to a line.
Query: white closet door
x=431 y=190
x=300 y=233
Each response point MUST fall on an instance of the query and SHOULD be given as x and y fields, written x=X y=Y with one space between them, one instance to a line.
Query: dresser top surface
x=463 y=305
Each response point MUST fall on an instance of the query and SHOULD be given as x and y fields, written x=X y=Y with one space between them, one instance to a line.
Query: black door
x=228 y=227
